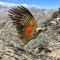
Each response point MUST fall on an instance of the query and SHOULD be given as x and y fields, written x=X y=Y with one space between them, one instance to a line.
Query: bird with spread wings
x=25 y=23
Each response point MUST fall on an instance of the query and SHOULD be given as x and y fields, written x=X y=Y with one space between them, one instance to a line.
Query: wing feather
x=21 y=18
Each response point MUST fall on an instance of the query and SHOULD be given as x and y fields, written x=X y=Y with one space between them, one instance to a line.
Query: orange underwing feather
x=24 y=22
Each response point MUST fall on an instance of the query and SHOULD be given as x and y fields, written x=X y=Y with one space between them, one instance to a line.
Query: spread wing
x=24 y=22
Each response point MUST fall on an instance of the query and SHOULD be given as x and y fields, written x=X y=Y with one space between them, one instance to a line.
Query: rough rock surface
x=45 y=47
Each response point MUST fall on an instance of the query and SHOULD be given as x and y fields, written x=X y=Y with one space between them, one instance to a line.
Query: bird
x=25 y=23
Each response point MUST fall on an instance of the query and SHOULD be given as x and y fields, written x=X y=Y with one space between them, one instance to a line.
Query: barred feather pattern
x=21 y=18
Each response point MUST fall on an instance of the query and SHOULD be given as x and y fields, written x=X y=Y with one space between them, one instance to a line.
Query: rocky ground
x=45 y=47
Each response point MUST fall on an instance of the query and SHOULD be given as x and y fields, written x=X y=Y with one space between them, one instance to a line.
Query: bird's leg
x=23 y=41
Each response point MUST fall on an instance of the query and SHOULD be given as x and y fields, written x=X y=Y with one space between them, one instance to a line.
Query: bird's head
x=39 y=30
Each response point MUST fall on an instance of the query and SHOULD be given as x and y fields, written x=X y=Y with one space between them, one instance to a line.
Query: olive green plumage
x=21 y=17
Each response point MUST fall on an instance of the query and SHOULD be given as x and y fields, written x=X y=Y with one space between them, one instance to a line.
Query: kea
x=25 y=23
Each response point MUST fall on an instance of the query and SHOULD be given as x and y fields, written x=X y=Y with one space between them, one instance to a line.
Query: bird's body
x=25 y=23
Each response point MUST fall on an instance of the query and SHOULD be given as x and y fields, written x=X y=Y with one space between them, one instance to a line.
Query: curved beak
x=39 y=30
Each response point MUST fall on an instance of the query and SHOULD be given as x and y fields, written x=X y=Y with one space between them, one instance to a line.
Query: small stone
x=36 y=50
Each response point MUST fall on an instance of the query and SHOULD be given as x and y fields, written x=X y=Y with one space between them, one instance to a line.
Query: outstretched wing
x=24 y=22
